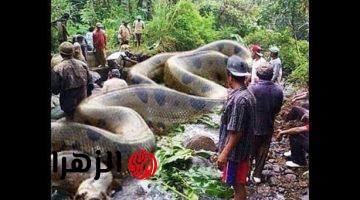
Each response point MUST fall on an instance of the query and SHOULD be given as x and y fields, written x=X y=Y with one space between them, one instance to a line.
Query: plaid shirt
x=238 y=117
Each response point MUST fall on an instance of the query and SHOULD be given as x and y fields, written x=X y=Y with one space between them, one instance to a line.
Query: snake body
x=119 y=120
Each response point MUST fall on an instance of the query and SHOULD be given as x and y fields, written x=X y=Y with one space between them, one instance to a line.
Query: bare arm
x=301 y=96
x=296 y=130
x=234 y=138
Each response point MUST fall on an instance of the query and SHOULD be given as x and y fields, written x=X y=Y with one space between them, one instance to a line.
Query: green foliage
x=179 y=27
x=206 y=181
x=281 y=14
x=240 y=14
x=58 y=9
x=175 y=172
x=293 y=53
x=206 y=119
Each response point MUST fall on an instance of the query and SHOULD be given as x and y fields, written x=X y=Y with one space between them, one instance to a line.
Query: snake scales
x=119 y=120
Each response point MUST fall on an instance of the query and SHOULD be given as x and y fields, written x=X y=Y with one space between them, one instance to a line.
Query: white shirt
x=89 y=39
x=139 y=25
x=113 y=84
x=256 y=63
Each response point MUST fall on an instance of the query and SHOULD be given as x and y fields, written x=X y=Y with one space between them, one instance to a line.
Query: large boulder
x=198 y=142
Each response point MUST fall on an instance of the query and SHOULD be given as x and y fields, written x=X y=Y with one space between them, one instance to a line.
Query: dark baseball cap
x=237 y=66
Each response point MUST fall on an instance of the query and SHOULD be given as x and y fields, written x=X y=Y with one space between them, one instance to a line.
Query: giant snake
x=120 y=120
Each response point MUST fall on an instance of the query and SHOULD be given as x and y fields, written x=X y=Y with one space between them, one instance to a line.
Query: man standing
x=124 y=33
x=269 y=98
x=99 y=40
x=258 y=59
x=139 y=27
x=89 y=39
x=275 y=62
x=237 y=128
x=61 y=26
x=70 y=78
x=114 y=81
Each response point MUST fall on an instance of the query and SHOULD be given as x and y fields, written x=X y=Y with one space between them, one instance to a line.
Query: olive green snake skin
x=195 y=82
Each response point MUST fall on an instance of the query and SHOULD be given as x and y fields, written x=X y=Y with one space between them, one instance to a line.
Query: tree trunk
x=222 y=10
x=148 y=5
x=129 y=7
x=140 y=3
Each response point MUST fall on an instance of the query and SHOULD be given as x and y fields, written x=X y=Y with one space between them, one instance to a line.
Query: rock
x=303 y=184
x=198 y=142
x=264 y=190
x=268 y=166
x=267 y=173
x=289 y=171
x=306 y=174
x=273 y=180
x=305 y=197
x=59 y=194
x=289 y=90
x=140 y=191
x=276 y=168
x=57 y=113
x=200 y=161
x=55 y=101
x=281 y=190
x=305 y=191
x=290 y=177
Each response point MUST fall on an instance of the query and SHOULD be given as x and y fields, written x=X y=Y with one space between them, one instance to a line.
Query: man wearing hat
x=99 y=42
x=70 y=78
x=114 y=81
x=237 y=128
x=258 y=59
x=275 y=62
x=139 y=27
x=124 y=33
x=269 y=99
x=61 y=26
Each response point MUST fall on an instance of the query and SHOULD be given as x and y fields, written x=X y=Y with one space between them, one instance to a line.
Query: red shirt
x=99 y=39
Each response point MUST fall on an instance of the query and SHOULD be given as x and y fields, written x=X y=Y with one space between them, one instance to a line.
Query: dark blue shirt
x=269 y=98
x=238 y=118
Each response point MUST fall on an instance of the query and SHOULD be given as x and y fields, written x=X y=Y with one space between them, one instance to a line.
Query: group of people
x=96 y=40
x=247 y=123
x=73 y=80
x=125 y=33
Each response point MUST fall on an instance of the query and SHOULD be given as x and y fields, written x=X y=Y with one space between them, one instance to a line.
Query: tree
x=279 y=14
x=240 y=14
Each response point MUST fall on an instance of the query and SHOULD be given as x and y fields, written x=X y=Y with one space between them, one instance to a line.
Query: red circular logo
x=142 y=164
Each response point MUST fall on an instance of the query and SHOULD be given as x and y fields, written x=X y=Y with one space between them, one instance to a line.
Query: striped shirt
x=238 y=117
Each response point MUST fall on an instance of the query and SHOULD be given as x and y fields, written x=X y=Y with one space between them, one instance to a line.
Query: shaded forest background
x=179 y=25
